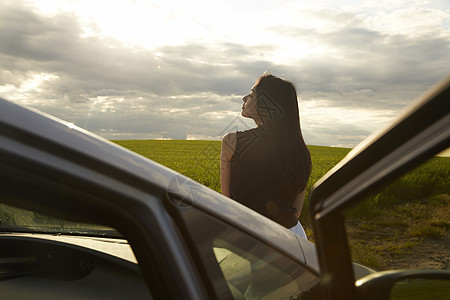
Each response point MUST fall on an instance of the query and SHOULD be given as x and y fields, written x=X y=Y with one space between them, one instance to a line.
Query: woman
x=267 y=168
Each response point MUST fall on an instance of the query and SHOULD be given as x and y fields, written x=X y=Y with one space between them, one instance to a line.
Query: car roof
x=33 y=126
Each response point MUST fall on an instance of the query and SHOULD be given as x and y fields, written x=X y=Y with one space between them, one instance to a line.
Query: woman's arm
x=298 y=203
x=227 y=151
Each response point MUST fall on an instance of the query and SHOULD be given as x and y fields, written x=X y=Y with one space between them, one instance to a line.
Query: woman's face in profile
x=249 y=108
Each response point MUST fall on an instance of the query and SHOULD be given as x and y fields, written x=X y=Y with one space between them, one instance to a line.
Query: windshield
x=18 y=220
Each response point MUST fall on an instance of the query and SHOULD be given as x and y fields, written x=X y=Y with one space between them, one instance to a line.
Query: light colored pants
x=298 y=230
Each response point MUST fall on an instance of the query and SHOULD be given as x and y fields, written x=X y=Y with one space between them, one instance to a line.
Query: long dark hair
x=278 y=110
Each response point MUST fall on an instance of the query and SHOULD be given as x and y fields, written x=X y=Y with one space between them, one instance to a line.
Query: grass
x=200 y=160
x=388 y=225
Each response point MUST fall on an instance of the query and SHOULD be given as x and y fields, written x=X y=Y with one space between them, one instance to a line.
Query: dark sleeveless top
x=253 y=180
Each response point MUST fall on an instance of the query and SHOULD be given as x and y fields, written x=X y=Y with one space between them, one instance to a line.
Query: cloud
x=365 y=67
x=100 y=84
x=55 y=45
x=194 y=89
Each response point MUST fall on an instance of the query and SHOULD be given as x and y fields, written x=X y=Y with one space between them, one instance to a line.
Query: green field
x=199 y=160
x=390 y=224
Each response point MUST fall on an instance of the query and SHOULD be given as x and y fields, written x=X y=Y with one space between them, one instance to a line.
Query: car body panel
x=103 y=193
x=46 y=152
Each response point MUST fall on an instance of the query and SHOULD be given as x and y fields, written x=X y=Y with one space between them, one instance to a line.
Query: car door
x=65 y=173
x=420 y=133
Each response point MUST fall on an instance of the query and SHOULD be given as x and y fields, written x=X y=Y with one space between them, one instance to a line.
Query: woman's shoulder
x=228 y=146
x=234 y=134
x=230 y=136
x=237 y=139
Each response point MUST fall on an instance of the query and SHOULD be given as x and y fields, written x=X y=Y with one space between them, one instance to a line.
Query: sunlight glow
x=35 y=81
x=31 y=85
x=153 y=24
x=139 y=23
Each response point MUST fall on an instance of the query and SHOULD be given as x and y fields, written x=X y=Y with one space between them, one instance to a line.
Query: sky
x=178 y=69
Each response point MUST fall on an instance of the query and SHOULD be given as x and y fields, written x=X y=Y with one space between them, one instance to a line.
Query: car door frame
x=420 y=133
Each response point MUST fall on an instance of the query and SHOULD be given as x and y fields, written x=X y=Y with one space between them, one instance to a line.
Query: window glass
x=243 y=267
x=405 y=225
x=262 y=273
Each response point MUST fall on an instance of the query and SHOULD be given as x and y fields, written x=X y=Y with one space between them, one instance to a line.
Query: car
x=83 y=218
